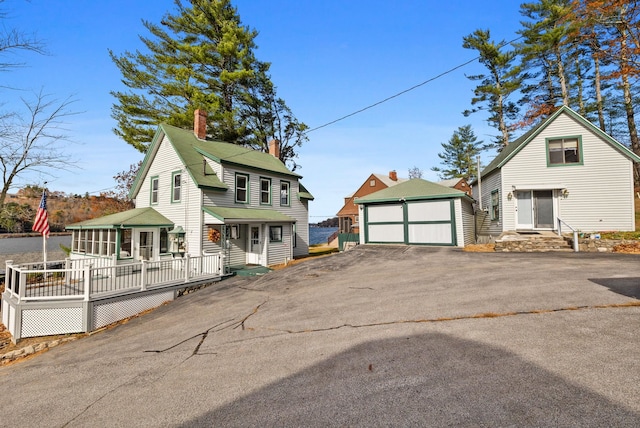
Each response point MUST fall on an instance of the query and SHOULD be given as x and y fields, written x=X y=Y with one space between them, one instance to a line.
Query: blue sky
x=329 y=58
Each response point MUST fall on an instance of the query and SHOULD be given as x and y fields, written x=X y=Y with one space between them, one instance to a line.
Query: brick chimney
x=200 y=124
x=274 y=148
x=393 y=175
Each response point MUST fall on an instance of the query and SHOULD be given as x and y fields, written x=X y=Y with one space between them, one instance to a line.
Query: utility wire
x=444 y=73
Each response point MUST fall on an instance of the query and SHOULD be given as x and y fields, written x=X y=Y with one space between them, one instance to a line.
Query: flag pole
x=41 y=224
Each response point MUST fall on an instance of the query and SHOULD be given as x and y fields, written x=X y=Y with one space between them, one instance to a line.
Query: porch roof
x=236 y=215
x=137 y=217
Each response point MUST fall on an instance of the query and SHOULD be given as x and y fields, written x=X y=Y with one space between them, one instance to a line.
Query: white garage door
x=421 y=222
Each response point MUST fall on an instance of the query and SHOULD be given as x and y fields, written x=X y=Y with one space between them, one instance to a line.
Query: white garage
x=417 y=212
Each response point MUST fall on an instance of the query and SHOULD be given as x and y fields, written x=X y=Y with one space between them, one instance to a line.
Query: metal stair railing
x=576 y=244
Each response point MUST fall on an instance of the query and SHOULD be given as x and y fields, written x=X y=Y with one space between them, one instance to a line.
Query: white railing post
x=8 y=276
x=22 y=290
x=87 y=283
x=576 y=244
x=187 y=266
x=143 y=275
x=221 y=263
x=67 y=273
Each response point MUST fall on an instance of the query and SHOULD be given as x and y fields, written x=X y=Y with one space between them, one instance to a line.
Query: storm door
x=543 y=209
x=255 y=245
x=145 y=244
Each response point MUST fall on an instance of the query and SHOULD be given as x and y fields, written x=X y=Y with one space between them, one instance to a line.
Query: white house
x=197 y=196
x=565 y=169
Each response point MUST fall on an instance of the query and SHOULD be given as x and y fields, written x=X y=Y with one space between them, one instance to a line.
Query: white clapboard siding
x=297 y=210
x=186 y=212
x=600 y=191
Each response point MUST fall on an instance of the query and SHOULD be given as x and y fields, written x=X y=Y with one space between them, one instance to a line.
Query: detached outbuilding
x=417 y=212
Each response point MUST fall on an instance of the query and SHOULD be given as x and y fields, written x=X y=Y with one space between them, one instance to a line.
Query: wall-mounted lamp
x=565 y=193
x=510 y=195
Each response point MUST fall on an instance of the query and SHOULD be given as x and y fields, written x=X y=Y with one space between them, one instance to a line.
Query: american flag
x=41 y=223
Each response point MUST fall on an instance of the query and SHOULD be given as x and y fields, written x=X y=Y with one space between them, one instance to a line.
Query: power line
x=444 y=73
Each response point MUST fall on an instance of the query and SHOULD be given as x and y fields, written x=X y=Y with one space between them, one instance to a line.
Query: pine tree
x=495 y=87
x=547 y=50
x=200 y=57
x=459 y=158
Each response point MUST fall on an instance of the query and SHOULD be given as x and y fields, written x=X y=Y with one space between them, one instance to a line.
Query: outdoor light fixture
x=509 y=195
x=565 y=193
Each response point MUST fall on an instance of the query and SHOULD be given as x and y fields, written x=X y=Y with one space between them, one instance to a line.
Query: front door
x=534 y=209
x=144 y=245
x=255 y=245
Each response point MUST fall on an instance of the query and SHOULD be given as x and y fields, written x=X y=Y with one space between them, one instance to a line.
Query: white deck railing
x=85 y=279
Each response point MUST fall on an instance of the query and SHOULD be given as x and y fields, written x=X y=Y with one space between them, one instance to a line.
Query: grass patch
x=620 y=235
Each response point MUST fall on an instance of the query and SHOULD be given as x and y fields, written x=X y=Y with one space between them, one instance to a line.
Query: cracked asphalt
x=377 y=336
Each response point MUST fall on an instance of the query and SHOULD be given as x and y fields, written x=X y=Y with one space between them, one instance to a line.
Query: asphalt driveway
x=378 y=336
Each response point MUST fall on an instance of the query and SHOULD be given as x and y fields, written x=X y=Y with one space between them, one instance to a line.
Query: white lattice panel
x=43 y=322
x=107 y=313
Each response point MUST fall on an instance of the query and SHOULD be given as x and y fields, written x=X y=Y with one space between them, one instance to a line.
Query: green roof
x=509 y=151
x=185 y=142
x=246 y=214
x=138 y=217
x=412 y=190
x=191 y=151
x=303 y=193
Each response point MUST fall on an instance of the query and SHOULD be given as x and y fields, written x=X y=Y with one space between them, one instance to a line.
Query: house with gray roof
x=197 y=196
x=564 y=171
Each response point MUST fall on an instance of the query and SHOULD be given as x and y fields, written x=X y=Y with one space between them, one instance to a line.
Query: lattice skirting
x=116 y=310
x=44 y=322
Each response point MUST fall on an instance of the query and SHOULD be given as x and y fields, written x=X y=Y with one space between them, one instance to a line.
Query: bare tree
x=34 y=142
x=415 y=172
x=12 y=40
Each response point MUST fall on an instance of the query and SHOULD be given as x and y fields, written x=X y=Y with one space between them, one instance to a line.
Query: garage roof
x=414 y=189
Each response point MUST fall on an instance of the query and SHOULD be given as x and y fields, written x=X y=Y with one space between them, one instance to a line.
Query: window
x=235 y=231
x=154 y=190
x=284 y=193
x=164 y=240
x=176 y=187
x=495 y=205
x=563 y=151
x=275 y=233
x=372 y=183
x=265 y=191
x=125 y=243
x=242 y=188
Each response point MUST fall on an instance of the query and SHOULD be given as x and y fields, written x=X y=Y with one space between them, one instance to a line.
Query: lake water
x=319 y=235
